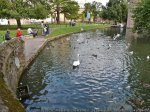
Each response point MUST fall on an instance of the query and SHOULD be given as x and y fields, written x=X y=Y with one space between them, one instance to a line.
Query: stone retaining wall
x=15 y=56
x=12 y=62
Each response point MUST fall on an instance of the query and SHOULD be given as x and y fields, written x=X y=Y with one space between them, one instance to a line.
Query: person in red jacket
x=19 y=33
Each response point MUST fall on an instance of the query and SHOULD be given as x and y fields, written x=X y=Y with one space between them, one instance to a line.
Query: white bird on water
x=148 y=57
x=131 y=52
x=116 y=36
x=76 y=63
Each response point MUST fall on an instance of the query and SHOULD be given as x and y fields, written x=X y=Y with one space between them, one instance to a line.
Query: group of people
x=18 y=34
x=30 y=31
x=45 y=28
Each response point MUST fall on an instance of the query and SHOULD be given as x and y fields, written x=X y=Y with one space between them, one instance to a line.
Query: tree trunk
x=18 y=23
x=64 y=18
x=94 y=19
x=58 y=15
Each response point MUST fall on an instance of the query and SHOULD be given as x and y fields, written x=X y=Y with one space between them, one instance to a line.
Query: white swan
x=116 y=36
x=148 y=57
x=121 y=25
x=76 y=63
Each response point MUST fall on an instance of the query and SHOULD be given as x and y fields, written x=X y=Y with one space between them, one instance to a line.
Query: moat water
x=112 y=75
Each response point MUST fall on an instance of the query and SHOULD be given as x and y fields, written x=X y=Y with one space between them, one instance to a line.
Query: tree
x=4 y=9
x=87 y=8
x=71 y=10
x=95 y=8
x=39 y=11
x=141 y=16
x=57 y=6
x=115 y=10
x=19 y=9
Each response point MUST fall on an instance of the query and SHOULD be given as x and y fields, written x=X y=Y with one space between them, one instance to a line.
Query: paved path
x=32 y=46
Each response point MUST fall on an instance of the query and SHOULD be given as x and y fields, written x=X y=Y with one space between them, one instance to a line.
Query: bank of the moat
x=112 y=75
x=15 y=56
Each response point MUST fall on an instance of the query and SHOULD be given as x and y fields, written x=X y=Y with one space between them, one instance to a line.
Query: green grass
x=12 y=34
x=68 y=29
x=57 y=30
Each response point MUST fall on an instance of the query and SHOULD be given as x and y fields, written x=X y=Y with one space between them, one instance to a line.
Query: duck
x=146 y=85
x=136 y=101
x=94 y=55
x=109 y=46
x=76 y=63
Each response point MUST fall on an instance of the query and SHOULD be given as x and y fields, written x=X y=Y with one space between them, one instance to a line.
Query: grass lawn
x=12 y=34
x=68 y=29
x=56 y=29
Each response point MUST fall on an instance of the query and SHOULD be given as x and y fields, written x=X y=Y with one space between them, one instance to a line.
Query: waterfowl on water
x=148 y=57
x=116 y=36
x=94 y=55
x=76 y=63
x=136 y=101
x=131 y=52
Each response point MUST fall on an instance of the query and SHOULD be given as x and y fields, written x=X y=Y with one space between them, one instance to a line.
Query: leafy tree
x=87 y=7
x=142 y=16
x=57 y=6
x=4 y=9
x=95 y=8
x=71 y=10
x=115 y=10
x=19 y=9
x=38 y=11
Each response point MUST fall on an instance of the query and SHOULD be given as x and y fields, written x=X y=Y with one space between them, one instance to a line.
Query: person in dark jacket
x=7 y=35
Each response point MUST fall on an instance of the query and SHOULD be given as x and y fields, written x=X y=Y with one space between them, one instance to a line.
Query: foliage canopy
x=115 y=10
x=142 y=16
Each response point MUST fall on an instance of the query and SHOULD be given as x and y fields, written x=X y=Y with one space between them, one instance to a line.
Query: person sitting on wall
x=7 y=35
x=19 y=34
x=31 y=32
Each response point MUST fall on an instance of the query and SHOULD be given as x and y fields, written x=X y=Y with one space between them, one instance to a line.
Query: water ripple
x=106 y=78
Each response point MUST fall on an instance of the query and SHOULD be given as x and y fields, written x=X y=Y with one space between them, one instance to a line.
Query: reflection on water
x=111 y=72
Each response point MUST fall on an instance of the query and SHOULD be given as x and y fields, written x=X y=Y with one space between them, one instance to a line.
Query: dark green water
x=105 y=82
